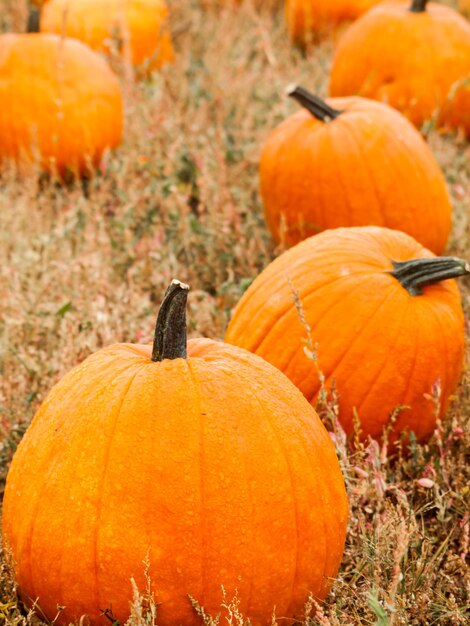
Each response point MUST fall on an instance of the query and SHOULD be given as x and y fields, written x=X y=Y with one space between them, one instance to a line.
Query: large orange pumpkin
x=61 y=105
x=211 y=464
x=137 y=28
x=415 y=58
x=313 y=18
x=388 y=325
x=338 y=164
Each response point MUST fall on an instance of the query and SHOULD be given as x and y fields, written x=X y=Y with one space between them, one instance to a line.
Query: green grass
x=180 y=199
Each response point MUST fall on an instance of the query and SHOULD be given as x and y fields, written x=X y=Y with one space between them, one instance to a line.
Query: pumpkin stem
x=170 y=329
x=417 y=273
x=32 y=25
x=315 y=105
x=418 y=6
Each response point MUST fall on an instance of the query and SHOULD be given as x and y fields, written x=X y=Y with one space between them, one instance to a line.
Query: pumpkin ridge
x=351 y=344
x=418 y=171
x=444 y=382
x=358 y=142
x=314 y=147
x=32 y=529
x=390 y=350
x=315 y=472
x=364 y=159
x=359 y=286
x=283 y=150
x=197 y=387
x=416 y=335
x=288 y=308
x=324 y=501
x=280 y=441
x=294 y=349
x=99 y=507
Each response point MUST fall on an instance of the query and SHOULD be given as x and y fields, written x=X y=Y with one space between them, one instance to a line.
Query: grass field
x=82 y=268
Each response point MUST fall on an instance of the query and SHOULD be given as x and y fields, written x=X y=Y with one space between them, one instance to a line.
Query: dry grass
x=179 y=199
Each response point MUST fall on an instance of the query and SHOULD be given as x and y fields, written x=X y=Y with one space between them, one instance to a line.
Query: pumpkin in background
x=135 y=28
x=315 y=18
x=142 y=453
x=388 y=326
x=464 y=7
x=61 y=105
x=415 y=58
x=351 y=162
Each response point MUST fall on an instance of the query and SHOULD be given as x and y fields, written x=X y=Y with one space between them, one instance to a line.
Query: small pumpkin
x=337 y=163
x=154 y=453
x=61 y=104
x=413 y=57
x=387 y=323
x=136 y=28
x=316 y=18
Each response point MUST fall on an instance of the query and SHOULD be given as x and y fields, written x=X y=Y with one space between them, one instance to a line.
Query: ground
x=85 y=266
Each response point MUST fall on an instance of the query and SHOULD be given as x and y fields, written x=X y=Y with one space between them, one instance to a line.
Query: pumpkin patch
x=149 y=479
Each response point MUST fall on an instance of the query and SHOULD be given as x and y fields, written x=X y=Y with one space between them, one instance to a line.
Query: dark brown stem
x=170 y=330
x=32 y=25
x=315 y=105
x=418 y=273
x=418 y=6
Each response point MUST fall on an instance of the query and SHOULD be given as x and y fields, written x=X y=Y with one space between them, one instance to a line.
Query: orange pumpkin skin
x=383 y=347
x=412 y=61
x=214 y=466
x=61 y=104
x=137 y=27
x=316 y=175
x=319 y=17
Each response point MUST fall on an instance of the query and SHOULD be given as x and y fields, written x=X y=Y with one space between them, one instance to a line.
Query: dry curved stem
x=418 y=273
x=170 y=329
x=418 y=6
x=315 y=105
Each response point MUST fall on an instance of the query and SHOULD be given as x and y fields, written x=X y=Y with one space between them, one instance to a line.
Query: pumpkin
x=337 y=164
x=137 y=28
x=144 y=452
x=464 y=7
x=61 y=103
x=316 y=18
x=415 y=58
x=387 y=323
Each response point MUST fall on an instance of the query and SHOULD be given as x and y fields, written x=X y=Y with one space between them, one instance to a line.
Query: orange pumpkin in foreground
x=211 y=464
x=413 y=56
x=61 y=105
x=351 y=162
x=136 y=29
x=388 y=325
x=315 y=18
